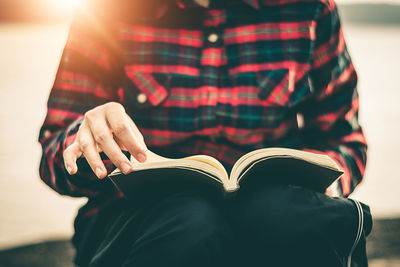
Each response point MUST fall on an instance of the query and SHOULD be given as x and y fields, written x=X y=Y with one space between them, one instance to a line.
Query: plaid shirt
x=221 y=81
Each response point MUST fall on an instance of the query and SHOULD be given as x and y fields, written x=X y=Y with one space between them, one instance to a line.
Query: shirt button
x=141 y=98
x=47 y=133
x=213 y=37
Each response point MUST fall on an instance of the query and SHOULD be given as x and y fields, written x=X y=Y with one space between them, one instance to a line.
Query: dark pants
x=270 y=225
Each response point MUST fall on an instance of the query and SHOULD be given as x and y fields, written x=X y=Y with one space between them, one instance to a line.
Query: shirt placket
x=213 y=55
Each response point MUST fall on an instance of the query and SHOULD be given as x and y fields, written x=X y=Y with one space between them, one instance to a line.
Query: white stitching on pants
x=359 y=231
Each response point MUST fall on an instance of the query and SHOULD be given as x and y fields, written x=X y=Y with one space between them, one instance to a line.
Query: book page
x=202 y=163
x=249 y=158
x=209 y=160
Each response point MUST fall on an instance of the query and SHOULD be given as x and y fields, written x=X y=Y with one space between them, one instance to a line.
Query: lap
x=270 y=217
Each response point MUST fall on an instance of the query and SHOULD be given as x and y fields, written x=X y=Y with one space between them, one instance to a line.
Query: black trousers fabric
x=271 y=225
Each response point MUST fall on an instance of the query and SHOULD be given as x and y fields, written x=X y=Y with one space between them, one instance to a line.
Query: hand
x=106 y=128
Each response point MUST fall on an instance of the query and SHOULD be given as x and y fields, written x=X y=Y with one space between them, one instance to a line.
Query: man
x=206 y=77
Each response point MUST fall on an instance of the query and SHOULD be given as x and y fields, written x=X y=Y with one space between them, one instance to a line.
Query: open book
x=274 y=165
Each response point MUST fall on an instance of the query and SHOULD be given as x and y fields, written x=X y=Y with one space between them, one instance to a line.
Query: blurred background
x=32 y=36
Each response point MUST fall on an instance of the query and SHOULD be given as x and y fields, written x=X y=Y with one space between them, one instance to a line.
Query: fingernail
x=126 y=168
x=69 y=169
x=141 y=157
x=99 y=172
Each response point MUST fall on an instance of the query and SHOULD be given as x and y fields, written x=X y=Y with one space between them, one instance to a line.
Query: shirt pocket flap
x=283 y=87
x=145 y=89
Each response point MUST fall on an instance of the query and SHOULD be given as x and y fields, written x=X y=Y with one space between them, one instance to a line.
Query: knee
x=185 y=230
x=199 y=218
x=188 y=223
x=295 y=225
x=277 y=214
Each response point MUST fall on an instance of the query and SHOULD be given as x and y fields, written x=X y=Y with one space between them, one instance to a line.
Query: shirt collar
x=191 y=3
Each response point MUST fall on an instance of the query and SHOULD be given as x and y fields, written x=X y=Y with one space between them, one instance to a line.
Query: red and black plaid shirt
x=222 y=81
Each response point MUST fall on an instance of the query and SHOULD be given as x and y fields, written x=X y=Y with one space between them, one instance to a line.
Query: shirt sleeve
x=331 y=123
x=86 y=77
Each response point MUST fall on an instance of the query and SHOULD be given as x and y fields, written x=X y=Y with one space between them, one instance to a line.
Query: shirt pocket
x=144 y=90
x=284 y=87
x=156 y=60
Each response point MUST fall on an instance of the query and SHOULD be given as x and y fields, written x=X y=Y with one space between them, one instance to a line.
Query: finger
x=124 y=132
x=89 y=150
x=70 y=155
x=119 y=143
x=137 y=132
x=104 y=139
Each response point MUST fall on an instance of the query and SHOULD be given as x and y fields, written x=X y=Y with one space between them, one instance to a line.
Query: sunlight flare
x=67 y=5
